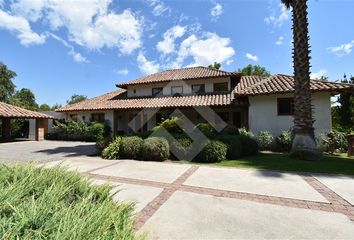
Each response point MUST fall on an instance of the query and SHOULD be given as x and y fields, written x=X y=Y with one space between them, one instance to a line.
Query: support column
x=6 y=128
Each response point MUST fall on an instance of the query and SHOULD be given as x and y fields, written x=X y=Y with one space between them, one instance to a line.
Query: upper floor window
x=176 y=90
x=97 y=117
x=221 y=87
x=285 y=106
x=157 y=92
x=198 y=88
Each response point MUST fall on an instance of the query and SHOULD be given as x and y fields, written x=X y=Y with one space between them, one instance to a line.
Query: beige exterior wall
x=263 y=114
x=146 y=90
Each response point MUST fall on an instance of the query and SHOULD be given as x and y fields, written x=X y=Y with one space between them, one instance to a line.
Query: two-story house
x=257 y=103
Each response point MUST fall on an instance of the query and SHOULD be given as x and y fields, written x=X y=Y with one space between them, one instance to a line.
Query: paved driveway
x=26 y=151
x=182 y=201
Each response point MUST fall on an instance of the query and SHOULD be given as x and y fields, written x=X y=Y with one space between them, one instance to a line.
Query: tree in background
x=7 y=87
x=76 y=98
x=44 y=107
x=215 y=65
x=24 y=98
x=254 y=70
x=56 y=106
x=304 y=144
x=344 y=113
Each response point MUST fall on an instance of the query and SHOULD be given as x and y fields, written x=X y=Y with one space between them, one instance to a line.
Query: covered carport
x=8 y=112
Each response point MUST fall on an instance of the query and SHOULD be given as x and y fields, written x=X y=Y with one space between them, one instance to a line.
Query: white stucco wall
x=263 y=114
x=146 y=90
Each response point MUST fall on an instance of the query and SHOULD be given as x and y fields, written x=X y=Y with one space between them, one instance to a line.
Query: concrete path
x=182 y=201
x=44 y=151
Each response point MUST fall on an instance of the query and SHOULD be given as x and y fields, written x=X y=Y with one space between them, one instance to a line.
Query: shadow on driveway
x=72 y=151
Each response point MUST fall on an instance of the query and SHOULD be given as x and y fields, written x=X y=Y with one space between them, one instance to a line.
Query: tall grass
x=38 y=203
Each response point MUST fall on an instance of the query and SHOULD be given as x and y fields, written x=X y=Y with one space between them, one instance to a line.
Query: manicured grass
x=38 y=203
x=339 y=164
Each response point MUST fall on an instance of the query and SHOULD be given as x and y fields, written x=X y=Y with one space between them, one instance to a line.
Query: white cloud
x=159 y=7
x=22 y=28
x=280 y=17
x=29 y=9
x=146 y=66
x=204 y=50
x=89 y=23
x=251 y=57
x=319 y=74
x=216 y=11
x=167 y=45
x=343 y=49
x=77 y=57
x=279 y=41
x=123 y=71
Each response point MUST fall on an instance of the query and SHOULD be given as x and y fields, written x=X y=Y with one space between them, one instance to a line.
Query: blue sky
x=59 y=48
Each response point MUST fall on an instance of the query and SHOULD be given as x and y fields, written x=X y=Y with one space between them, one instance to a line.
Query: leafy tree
x=76 y=98
x=7 y=87
x=56 y=106
x=304 y=144
x=44 y=107
x=346 y=108
x=254 y=70
x=215 y=65
x=25 y=98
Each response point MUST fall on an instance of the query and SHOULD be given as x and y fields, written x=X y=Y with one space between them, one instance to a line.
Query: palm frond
x=287 y=3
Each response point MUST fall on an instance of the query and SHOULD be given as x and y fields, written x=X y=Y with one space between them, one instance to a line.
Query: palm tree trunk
x=304 y=145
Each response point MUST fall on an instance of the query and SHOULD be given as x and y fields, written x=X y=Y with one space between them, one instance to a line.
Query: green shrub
x=41 y=203
x=214 y=151
x=249 y=145
x=283 y=141
x=155 y=149
x=80 y=131
x=171 y=125
x=243 y=131
x=335 y=141
x=230 y=130
x=234 y=147
x=131 y=147
x=264 y=139
x=112 y=150
x=206 y=129
x=103 y=143
x=180 y=146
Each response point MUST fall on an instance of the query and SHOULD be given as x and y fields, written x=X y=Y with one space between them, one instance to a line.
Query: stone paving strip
x=333 y=203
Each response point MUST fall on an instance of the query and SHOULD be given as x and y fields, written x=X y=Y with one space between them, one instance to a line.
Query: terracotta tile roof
x=248 y=85
x=178 y=75
x=11 y=111
x=285 y=84
x=118 y=100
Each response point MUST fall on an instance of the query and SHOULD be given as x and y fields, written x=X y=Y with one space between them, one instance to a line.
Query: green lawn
x=339 y=164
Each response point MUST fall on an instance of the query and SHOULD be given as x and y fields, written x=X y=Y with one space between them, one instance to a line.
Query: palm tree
x=304 y=144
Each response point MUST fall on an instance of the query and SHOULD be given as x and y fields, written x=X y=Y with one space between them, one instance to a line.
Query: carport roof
x=11 y=111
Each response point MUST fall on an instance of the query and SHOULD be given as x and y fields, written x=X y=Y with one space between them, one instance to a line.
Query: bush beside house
x=80 y=131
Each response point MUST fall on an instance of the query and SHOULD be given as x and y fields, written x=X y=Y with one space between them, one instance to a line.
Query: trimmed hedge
x=207 y=130
x=131 y=147
x=80 y=131
x=234 y=148
x=249 y=145
x=180 y=147
x=112 y=150
x=214 y=151
x=155 y=149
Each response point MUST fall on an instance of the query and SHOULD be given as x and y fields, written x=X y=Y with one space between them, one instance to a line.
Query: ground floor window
x=285 y=106
x=97 y=117
x=225 y=116
x=237 y=119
